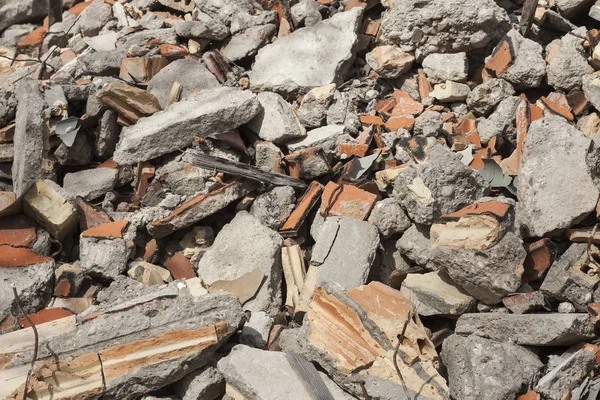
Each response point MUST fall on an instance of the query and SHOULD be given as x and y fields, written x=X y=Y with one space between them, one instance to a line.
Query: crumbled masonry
x=300 y=199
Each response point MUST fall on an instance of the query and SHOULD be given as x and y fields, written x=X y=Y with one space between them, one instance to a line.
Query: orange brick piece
x=502 y=59
x=45 y=315
x=406 y=105
x=17 y=231
x=495 y=208
x=111 y=230
x=180 y=267
x=402 y=122
x=14 y=257
x=347 y=201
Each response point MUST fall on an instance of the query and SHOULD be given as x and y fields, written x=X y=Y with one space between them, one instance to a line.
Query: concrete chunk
x=477 y=365
x=207 y=113
x=446 y=67
x=528 y=329
x=331 y=43
x=91 y=183
x=544 y=206
x=486 y=96
x=242 y=246
x=206 y=383
x=345 y=251
x=559 y=382
x=277 y=122
x=247 y=43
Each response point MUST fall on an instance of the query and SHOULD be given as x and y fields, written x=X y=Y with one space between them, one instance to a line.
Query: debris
x=277 y=122
x=446 y=67
x=389 y=62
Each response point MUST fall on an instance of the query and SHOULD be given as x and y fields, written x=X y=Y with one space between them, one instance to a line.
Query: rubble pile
x=300 y=199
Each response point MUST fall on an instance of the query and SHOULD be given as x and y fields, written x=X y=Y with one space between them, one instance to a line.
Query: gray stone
x=140 y=38
x=591 y=89
x=434 y=293
x=8 y=104
x=389 y=218
x=151 y=21
x=91 y=183
x=568 y=62
x=80 y=153
x=94 y=18
x=204 y=384
x=467 y=26
x=544 y=206
x=345 y=251
x=595 y=12
x=415 y=244
x=226 y=11
x=255 y=332
x=342 y=112
x=441 y=185
x=328 y=137
x=488 y=275
x=243 y=21
x=17 y=12
x=306 y=13
x=566 y=376
x=486 y=96
x=446 y=67
x=567 y=280
x=103 y=258
x=277 y=122
x=573 y=8
x=242 y=246
x=529 y=67
x=477 y=366
x=268 y=157
x=501 y=122
x=428 y=124
x=331 y=43
x=275 y=206
x=528 y=329
x=207 y=113
x=313 y=109
x=201 y=30
x=389 y=62
x=100 y=63
x=185 y=180
x=107 y=134
x=247 y=43
x=33 y=283
x=30 y=138
x=192 y=75
x=261 y=375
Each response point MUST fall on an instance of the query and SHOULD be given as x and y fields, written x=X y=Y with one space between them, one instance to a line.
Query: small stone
x=528 y=329
x=91 y=183
x=528 y=68
x=567 y=61
x=566 y=308
x=501 y=123
x=486 y=96
x=207 y=29
x=434 y=293
x=255 y=332
x=522 y=303
x=446 y=67
x=389 y=218
x=450 y=92
x=247 y=43
x=428 y=124
x=277 y=122
x=415 y=244
x=477 y=365
x=206 y=383
x=389 y=62
x=306 y=13
x=275 y=206
x=94 y=18
x=313 y=109
x=268 y=157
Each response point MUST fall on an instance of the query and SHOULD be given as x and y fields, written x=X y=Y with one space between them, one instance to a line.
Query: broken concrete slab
x=468 y=26
x=567 y=62
x=328 y=137
x=521 y=303
x=255 y=332
x=245 y=44
x=528 y=329
x=192 y=75
x=205 y=29
x=544 y=207
x=274 y=207
x=91 y=183
x=103 y=258
x=345 y=251
x=207 y=113
x=206 y=383
x=528 y=68
x=434 y=293
x=331 y=42
x=242 y=246
x=477 y=365
x=559 y=381
x=277 y=122
x=30 y=137
x=488 y=275
x=570 y=278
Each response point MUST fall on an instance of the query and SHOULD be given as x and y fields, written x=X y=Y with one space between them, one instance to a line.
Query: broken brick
x=353 y=149
x=540 y=256
x=308 y=200
x=497 y=209
x=400 y=122
x=45 y=315
x=406 y=105
x=556 y=109
x=180 y=267
x=503 y=57
x=88 y=216
x=110 y=230
x=17 y=231
x=139 y=69
x=346 y=201
x=14 y=257
x=371 y=120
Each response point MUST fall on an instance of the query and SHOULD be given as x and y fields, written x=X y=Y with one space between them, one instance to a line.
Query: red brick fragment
x=494 y=208
x=540 y=256
x=400 y=122
x=577 y=101
x=346 y=201
x=111 y=230
x=78 y=8
x=502 y=58
x=371 y=120
x=17 y=231
x=180 y=267
x=557 y=109
x=33 y=38
x=45 y=315
x=531 y=395
x=14 y=257
x=353 y=149
x=406 y=104
x=308 y=200
x=89 y=217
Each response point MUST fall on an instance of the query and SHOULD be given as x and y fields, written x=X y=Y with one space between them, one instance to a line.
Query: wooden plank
x=312 y=381
x=240 y=169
